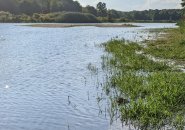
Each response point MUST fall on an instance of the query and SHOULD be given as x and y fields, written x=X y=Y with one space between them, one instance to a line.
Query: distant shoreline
x=67 y=25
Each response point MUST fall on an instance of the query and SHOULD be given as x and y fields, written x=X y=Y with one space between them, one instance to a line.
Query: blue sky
x=127 y=5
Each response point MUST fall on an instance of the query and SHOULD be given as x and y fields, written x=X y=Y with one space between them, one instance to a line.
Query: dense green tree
x=39 y=6
x=154 y=15
x=183 y=3
x=56 y=6
x=29 y=7
x=102 y=9
x=113 y=14
x=90 y=9
x=9 y=6
x=5 y=16
x=70 y=5
x=48 y=6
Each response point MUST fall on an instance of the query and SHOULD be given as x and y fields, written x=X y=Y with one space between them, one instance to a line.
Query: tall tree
x=183 y=3
x=9 y=6
x=55 y=6
x=90 y=9
x=102 y=9
x=48 y=6
x=113 y=13
x=29 y=7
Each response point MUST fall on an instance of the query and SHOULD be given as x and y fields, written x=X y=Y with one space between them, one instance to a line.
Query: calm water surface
x=44 y=80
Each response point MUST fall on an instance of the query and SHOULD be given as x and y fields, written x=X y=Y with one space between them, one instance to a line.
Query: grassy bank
x=170 y=46
x=152 y=94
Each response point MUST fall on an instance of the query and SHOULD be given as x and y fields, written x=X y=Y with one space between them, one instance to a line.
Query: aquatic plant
x=170 y=46
x=92 y=68
x=154 y=91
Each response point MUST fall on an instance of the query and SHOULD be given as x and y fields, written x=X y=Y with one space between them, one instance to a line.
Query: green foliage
x=61 y=17
x=125 y=57
x=102 y=9
x=90 y=10
x=6 y=17
x=39 y=6
x=183 y=3
x=155 y=91
x=23 y=18
x=171 y=46
x=9 y=6
x=29 y=7
x=156 y=100
x=114 y=14
x=103 y=19
x=123 y=20
x=74 y=17
x=154 y=15
x=65 y=17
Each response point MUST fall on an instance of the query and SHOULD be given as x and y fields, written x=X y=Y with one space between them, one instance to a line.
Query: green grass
x=155 y=91
x=170 y=46
x=155 y=100
x=125 y=58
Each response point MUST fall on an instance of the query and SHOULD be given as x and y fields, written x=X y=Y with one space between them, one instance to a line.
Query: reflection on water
x=7 y=86
x=46 y=79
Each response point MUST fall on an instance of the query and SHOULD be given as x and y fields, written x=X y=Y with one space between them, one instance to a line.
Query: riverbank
x=152 y=92
x=171 y=45
x=83 y=24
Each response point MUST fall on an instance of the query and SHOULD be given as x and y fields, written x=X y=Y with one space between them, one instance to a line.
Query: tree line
x=30 y=7
x=39 y=6
x=154 y=15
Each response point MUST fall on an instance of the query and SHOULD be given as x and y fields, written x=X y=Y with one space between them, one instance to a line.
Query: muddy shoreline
x=67 y=25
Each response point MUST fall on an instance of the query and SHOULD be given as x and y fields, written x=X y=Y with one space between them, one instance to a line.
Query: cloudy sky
x=127 y=5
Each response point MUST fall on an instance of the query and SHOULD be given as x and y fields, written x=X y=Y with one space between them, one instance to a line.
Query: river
x=45 y=83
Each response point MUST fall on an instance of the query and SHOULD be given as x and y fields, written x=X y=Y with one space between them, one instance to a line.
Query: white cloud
x=135 y=4
x=165 y=4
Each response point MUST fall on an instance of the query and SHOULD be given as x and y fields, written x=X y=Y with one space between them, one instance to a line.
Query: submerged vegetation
x=154 y=90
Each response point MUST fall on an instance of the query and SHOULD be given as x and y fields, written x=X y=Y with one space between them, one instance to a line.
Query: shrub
x=5 y=16
x=75 y=17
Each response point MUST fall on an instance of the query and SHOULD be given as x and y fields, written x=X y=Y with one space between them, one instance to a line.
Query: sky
x=129 y=5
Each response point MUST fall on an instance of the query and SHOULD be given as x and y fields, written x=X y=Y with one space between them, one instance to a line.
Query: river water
x=45 y=83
